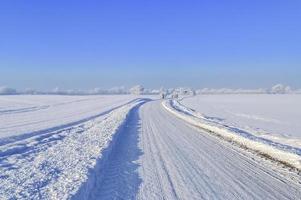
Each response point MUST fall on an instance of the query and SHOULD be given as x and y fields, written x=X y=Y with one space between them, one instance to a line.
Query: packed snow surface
x=160 y=156
x=275 y=117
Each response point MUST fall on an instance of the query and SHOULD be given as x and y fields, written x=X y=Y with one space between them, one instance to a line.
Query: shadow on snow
x=116 y=173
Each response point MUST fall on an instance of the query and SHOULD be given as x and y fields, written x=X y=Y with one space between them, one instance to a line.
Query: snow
x=57 y=165
x=29 y=114
x=159 y=156
x=129 y=147
x=277 y=151
x=274 y=117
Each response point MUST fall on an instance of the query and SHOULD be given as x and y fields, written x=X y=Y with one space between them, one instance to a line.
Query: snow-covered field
x=55 y=142
x=275 y=117
x=27 y=114
x=130 y=147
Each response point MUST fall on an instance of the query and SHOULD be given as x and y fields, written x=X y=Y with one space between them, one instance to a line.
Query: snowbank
x=285 y=154
x=58 y=165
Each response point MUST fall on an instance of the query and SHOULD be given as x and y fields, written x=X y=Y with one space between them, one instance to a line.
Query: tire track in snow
x=180 y=162
x=120 y=178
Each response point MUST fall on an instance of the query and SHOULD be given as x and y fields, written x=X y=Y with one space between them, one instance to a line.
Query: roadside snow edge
x=196 y=119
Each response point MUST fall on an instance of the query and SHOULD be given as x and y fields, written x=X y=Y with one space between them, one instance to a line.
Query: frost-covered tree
x=57 y=90
x=117 y=90
x=298 y=91
x=30 y=91
x=184 y=91
x=97 y=91
x=137 y=89
x=7 y=91
x=280 y=89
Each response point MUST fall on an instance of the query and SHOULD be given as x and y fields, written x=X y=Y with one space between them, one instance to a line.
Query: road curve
x=158 y=156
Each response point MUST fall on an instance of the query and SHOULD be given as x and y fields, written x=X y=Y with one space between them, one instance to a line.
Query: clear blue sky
x=86 y=44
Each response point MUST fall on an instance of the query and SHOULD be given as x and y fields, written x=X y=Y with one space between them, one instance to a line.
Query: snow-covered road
x=136 y=150
x=158 y=156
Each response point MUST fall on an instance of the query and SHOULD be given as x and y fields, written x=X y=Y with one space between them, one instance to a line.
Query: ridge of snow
x=277 y=151
x=58 y=166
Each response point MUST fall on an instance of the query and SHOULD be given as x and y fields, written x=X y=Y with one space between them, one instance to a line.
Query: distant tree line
x=139 y=89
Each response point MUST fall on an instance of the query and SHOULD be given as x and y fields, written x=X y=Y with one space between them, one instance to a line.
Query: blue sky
x=86 y=44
